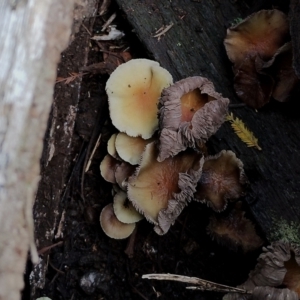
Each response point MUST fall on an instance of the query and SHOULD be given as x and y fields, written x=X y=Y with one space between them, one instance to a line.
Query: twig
x=108 y=22
x=54 y=268
x=45 y=249
x=162 y=32
x=202 y=284
x=92 y=154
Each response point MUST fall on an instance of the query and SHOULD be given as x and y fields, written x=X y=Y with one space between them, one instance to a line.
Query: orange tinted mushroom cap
x=133 y=91
x=190 y=112
x=262 y=33
x=111 y=226
x=160 y=190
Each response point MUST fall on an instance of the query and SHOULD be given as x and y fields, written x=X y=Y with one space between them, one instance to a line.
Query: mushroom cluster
x=157 y=162
x=276 y=274
x=260 y=50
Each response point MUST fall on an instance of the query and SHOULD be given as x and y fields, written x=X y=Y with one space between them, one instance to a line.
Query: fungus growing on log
x=222 y=179
x=160 y=190
x=234 y=230
x=130 y=148
x=111 y=146
x=133 y=91
x=122 y=172
x=111 y=226
x=278 y=267
x=190 y=112
x=124 y=210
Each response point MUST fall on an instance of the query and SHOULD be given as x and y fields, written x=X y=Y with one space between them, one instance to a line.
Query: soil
x=87 y=264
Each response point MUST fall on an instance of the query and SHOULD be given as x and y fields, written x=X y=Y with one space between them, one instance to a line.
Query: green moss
x=236 y=21
x=285 y=230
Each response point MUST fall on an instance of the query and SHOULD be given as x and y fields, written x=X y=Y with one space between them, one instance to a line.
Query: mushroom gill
x=190 y=111
x=108 y=167
x=133 y=91
x=222 y=179
x=160 y=190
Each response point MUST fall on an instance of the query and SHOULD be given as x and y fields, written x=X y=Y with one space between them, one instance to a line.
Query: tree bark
x=194 y=46
x=33 y=33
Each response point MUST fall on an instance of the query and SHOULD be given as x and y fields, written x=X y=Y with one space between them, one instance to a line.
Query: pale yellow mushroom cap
x=130 y=148
x=112 y=227
x=133 y=91
x=124 y=210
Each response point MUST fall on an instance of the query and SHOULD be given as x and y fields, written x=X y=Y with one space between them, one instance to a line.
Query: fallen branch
x=201 y=284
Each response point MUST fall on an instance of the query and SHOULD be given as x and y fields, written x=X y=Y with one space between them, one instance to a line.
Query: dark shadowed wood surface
x=194 y=46
x=295 y=29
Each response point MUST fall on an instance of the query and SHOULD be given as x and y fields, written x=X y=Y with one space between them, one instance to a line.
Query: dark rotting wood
x=194 y=46
x=295 y=29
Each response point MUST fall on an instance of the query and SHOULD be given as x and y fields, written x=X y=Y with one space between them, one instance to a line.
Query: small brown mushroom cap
x=190 y=112
x=223 y=178
x=130 y=148
x=108 y=167
x=124 y=210
x=160 y=190
x=234 y=230
x=122 y=172
x=112 y=227
x=278 y=266
x=262 y=33
x=133 y=91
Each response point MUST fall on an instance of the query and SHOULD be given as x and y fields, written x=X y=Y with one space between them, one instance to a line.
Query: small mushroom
x=111 y=226
x=111 y=146
x=190 y=112
x=160 y=190
x=122 y=172
x=133 y=91
x=222 y=178
x=234 y=230
x=130 y=148
x=261 y=34
x=108 y=167
x=124 y=210
x=278 y=267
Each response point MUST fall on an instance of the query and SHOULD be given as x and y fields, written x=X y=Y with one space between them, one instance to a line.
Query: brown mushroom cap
x=190 y=112
x=281 y=67
x=234 y=230
x=262 y=33
x=223 y=178
x=278 y=266
x=122 y=172
x=252 y=87
x=160 y=190
x=130 y=148
x=108 y=167
x=112 y=227
x=133 y=91
x=124 y=210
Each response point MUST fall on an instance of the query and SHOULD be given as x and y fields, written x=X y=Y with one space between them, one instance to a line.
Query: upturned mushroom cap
x=278 y=266
x=234 y=230
x=262 y=33
x=190 y=112
x=133 y=91
x=124 y=210
x=108 y=167
x=160 y=190
x=112 y=227
x=130 y=148
x=223 y=178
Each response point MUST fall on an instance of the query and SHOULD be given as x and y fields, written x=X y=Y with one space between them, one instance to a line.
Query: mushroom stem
x=129 y=251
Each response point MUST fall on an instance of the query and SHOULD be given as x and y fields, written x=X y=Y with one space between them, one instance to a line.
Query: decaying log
x=194 y=46
x=33 y=33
